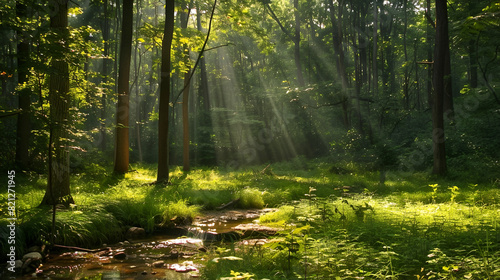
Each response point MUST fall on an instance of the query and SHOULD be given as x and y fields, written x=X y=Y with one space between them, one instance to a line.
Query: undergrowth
x=372 y=237
x=339 y=220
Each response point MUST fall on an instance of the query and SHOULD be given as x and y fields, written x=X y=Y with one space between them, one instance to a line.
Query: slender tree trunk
x=417 y=77
x=185 y=95
x=207 y=150
x=105 y=75
x=406 y=82
x=429 y=54
x=472 y=52
x=296 y=43
x=137 y=81
x=163 y=157
x=58 y=187
x=448 y=93
x=375 y=48
x=23 y=119
x=340 y=58
x=122 y=109
x=185 y=123
x=442 y=44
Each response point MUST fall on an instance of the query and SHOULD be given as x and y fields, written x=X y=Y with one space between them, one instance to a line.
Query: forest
x=241 y=139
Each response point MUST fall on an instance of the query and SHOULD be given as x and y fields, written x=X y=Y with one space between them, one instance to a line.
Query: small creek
x=158 y=256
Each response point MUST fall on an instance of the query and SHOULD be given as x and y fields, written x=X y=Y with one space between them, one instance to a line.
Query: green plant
x=434 y=192
x=454 y=193
x=251 y=198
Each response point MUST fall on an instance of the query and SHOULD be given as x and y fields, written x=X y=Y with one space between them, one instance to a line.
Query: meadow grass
x=340 y=220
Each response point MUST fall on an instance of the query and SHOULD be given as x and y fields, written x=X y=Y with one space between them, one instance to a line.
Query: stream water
x=157 y=257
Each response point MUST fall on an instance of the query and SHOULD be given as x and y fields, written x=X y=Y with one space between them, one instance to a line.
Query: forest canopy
x=359 y=139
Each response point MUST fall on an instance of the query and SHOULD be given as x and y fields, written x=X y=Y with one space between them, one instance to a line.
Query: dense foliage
x=336 y=92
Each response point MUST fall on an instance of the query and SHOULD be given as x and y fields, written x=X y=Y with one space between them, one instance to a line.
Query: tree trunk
x=296 y=43
x=375 y=48
x=206 y=150
x=163 y=171
x=185 y=94
x=429 y=54
x=442 y=44
x=185 y=123
x=58 y=187
x=23 y=119
x=122 y=109
x=105 y=75
x=137 y=81
x=340 y=58
x=406 y=81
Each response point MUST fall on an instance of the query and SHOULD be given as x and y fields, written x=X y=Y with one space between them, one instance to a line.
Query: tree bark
x=58 y=187
x=375 y=48
x=163 y=158
x=340 y=58
x=206 y=151
x=296 y=43
x=185 y=96
x=105 y=75
x=429 y=54
x=442 y=44
x=122 y=109
x=23 y=119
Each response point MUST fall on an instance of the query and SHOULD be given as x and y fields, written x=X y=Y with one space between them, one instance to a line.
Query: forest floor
x=338 y=221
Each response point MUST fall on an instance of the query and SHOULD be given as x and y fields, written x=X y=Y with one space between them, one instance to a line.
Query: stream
x=159 y=256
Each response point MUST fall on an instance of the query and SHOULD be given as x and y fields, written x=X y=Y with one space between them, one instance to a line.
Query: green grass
x=334 y=239
x=402 y=229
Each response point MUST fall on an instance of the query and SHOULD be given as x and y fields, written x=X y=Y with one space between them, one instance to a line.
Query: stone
x=120 y=256
x=135 y=233
x=158 y=264
x=32 y=255
x=31 y=265
x=19 y=264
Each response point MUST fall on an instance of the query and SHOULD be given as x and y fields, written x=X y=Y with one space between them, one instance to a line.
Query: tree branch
x=200 y=55
x=273 y=15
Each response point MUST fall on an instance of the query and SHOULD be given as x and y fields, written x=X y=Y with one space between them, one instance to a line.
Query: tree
x=23 y=119
x=163 y=158
x=185 y=93
x=122 y=109
x=296 y=44
x=104 y=73
x=58 y=187
x=440 y=80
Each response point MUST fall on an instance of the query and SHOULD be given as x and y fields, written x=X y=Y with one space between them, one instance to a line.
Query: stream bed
x=157 y=256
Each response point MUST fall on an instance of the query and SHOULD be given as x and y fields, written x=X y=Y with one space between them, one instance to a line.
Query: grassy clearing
x=341 y=222
x=366 y=237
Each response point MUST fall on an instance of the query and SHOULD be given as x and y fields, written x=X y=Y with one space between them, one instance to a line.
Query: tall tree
x=23 y=119
x=185 y=94
x=439 y=80
x=58 y=187
x=338 y=48
x=296 y=44
x=105 y=73
x=294 y=37
x=122 y=109
x=206 y=151
x=375 y=48
x=163 y=158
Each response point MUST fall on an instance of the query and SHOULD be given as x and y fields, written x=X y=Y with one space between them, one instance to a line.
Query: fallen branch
x=231 y=203
x=81 y=249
